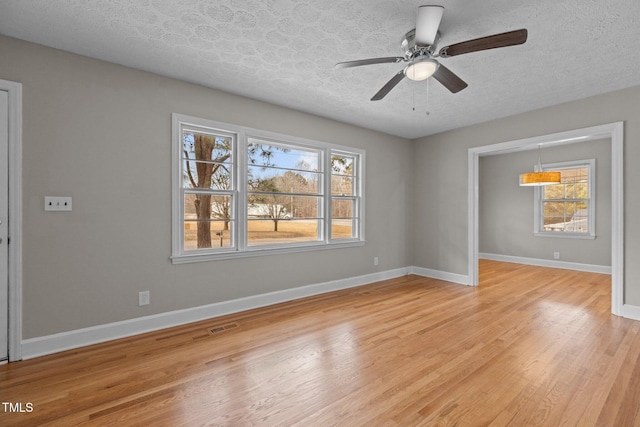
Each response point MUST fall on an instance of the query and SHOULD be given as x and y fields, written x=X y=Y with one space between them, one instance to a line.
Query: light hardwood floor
x=530 y=346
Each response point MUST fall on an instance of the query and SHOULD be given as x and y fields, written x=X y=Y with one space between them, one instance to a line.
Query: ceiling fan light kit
x=421 y=69
x=420 y=50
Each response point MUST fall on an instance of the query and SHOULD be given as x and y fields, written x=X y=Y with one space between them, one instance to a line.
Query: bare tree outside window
x=207 y=171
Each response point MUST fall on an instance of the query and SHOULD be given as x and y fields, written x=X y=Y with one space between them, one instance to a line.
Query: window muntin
x=265 y=192
x=568 y=209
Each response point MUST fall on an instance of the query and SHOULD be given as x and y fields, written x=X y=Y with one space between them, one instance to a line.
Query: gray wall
x=506 y=209
x=101 y=133
x=440 y=188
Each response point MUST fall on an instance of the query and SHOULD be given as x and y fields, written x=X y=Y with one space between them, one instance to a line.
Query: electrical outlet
x=375 y=260
x=57 y=203
x=556 y=255
x=143 y=298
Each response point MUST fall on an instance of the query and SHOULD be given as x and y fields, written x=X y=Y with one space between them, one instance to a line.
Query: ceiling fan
x=420 y=49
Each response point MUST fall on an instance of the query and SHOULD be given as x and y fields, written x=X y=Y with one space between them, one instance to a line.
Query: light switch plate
x=57 y=203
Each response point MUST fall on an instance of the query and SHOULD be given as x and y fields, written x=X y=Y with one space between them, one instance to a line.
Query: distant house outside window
x=567 y=209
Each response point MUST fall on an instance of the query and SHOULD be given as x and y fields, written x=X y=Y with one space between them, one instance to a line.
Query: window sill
x=562 y=235
x=257 y=251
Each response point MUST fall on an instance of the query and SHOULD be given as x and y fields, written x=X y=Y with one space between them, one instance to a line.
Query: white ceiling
x=284 y=51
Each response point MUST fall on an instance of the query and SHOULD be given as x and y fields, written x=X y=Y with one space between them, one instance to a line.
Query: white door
x=4 y=218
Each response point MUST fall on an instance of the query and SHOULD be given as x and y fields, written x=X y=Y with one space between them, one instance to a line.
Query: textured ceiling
x=284 y=51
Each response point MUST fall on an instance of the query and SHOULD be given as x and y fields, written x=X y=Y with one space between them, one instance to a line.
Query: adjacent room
x=290 y=212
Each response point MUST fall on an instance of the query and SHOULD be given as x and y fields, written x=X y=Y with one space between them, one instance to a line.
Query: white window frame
x=355 y=197
x=241 y=248
x=538 y=211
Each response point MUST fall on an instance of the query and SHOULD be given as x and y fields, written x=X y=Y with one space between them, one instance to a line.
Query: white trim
x=617 y=217
x=460 y=279
x=258 y=251
x=591 y=268
x=41 y=346
x=631 y=311
x=567 y=235
x=615 y=131
x=49 y=344
x=15 y=215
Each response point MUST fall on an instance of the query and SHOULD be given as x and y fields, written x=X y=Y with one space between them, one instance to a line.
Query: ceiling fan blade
x=390 y=85
x=427 y=24
x=449 y=79
x=371 y=61
x=510 y=38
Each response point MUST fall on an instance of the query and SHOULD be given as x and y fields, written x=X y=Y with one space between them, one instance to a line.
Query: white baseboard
x=440 y=275
x=40 y=346
x=603 y=269
x=631 y=311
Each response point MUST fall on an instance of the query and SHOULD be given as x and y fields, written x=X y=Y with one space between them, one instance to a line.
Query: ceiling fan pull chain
x=428 y=97
x=413 y=98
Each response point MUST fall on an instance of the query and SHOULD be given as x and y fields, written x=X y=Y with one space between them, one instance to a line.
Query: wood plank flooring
x=529 y=346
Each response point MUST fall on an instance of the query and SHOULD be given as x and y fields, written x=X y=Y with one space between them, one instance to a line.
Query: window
x=208 y=188
x=567 y=209
x=344 y=195
x=284 y=194
x=242 y=192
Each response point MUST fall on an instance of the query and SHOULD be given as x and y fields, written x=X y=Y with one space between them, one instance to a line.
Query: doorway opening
x=612 y=131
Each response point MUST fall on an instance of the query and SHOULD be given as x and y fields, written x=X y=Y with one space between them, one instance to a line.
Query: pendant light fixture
x=539 y=177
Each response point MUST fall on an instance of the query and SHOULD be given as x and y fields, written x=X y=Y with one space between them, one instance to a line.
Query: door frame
x=614 y=131
x=14 y=90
